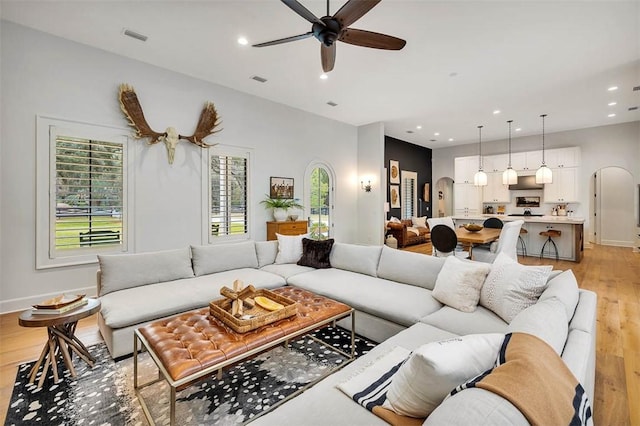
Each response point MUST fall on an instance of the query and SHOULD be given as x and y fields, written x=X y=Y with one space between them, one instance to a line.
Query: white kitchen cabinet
x=495 y=191
x=562 y=157
x=465 y=168
x=530 y=160
x=564 y=188
x=535 y=241
x=466 y=199
x=495 y=163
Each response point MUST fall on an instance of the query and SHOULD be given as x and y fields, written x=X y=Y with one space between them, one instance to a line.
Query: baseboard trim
x=22 y=303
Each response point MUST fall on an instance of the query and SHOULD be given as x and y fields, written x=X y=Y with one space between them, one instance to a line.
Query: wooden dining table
x=483 y=236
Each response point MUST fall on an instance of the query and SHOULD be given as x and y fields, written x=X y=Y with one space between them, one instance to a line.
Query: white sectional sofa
x=391 y=292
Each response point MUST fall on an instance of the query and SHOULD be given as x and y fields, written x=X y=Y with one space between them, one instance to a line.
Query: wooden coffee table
x=61 y=342
x=191 y=346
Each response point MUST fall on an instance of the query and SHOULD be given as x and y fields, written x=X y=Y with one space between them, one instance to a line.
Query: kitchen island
x=570 y=244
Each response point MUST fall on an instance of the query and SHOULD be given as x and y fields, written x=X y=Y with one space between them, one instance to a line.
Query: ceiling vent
x=331 y=103
x=433 y=140
x=409 y=131
x=635 y=108
x=635 y=89
x=259 y=79
x=135 y=35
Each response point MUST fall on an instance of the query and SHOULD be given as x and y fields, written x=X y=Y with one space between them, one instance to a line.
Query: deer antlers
x=132 y=109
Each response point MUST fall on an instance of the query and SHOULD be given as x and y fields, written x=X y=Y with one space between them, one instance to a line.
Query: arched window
x=319 y=179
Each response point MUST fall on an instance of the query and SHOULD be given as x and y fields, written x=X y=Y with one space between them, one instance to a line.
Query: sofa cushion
x=316 y=253
x=419 y=222
x=223 y=257
x=286 y=270
x=434 y=369
x=121 y=271
x=459 y=282
x=511 y=287
x=289 y=248
x=547 y=320
x=139 y=304
x=356 y=258
x=399 y=303
x=482 y=320
x=409 y=268
x=563 y=287
x=266 y=252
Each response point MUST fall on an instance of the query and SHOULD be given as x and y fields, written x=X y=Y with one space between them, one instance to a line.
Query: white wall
x=371 y=204
x=603 y=146
x=41 y=74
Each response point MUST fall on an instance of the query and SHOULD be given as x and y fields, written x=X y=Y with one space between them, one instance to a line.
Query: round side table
x=61 y=342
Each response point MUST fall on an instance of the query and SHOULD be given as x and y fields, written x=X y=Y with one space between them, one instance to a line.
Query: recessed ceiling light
x=436 y=134
x=323 y=76
x=451 y=139
x=518 y=129
x=612 y=88
x=611 y=115
x=418 y=127
x=497 y=111
x=612 y=103
x=243 y=41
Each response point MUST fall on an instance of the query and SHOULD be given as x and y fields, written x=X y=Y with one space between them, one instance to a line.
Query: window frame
x=230 y=151
x=405 y=197
x=332 y=192
x=47 y=130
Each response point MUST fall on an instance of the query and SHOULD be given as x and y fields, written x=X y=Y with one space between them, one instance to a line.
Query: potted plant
x=280 y=206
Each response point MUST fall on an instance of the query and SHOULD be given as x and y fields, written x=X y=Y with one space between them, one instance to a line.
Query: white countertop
x=575 y=220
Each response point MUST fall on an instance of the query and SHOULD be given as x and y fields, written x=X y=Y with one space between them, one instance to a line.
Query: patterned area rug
x=104 y=394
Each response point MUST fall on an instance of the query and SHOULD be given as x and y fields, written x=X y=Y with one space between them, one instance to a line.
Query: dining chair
x=506 y=243
x=445 y=241
x=434 y=221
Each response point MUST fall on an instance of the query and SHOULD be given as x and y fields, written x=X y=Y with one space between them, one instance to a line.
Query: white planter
x=280 y=215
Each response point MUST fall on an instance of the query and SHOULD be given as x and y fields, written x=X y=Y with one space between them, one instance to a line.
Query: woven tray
x=221 y=309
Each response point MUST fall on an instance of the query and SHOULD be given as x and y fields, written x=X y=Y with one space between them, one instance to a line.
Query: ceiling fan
x=328 y=29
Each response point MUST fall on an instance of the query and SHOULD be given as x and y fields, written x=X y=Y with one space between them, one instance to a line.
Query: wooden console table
x=61 y=341
x=289 y=227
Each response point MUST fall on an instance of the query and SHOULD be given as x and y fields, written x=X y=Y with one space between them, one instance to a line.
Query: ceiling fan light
x=480 y=178
x=544 y=175
x=509 y=176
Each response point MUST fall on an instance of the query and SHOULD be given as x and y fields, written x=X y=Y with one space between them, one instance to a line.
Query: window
x=319 y=185
x=409 y=191
x=228 y=216
x=82 y=192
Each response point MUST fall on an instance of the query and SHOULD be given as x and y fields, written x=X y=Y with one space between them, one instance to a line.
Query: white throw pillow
x=511 y=287
x=289 y=248
x=459 y=282
x=435 y=369
x=419 y=222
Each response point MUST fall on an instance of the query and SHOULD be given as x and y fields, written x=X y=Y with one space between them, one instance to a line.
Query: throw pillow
x=289 y=248
x=434 y=369
x=459 y=282
x=511 y=287
x=315 y=253
x=419 y=222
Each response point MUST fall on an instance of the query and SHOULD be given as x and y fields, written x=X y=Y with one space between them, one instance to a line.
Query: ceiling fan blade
x=353 y=10
x=303 y=11
x=328 y=56
x=370 y=39
x=284 y=40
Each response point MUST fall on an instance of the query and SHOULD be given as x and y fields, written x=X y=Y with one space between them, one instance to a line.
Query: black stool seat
x=549 y=233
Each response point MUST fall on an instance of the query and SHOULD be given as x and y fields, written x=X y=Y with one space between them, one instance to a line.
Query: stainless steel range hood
x=526 y=182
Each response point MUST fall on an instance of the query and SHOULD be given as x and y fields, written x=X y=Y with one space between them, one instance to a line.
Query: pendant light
x=543 y=175
x=509 y=176
x=480 y=178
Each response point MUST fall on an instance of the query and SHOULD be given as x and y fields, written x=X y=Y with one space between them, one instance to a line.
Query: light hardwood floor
x=612 y=272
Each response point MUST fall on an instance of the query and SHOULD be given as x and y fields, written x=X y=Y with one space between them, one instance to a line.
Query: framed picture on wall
x=394 y=171
x=281 y=187
x=394 y=194
x=425 y=192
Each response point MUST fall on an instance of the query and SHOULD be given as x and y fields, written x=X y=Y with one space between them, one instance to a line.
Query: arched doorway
x=612 y=206
x=319 y=183
x=444 y=197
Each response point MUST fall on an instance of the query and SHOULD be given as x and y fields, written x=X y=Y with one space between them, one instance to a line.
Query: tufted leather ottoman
x=194 y=344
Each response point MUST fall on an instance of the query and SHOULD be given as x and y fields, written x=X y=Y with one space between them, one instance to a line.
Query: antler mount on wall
x=133 y=111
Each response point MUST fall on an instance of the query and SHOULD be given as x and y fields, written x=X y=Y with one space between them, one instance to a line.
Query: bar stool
x=523 y=246
x=549 y=233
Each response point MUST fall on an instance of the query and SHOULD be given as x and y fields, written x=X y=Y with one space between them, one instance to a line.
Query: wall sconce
x=367 y=187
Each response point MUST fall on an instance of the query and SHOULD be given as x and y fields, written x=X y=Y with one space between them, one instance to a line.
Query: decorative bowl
x=472 y=227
